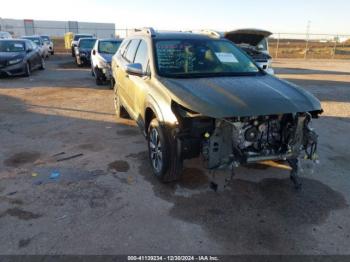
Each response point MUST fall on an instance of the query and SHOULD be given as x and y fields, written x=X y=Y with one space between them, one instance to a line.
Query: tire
x=52 y=52
x=92 y=72
x=98 y=81
x=79 y=63
x=111 y=83
x=163 y=154
x=27 y=70
x=120 y=111
x=73 y=53
x=42 y=64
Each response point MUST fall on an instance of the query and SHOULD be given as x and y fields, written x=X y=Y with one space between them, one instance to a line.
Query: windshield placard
x=226 y=57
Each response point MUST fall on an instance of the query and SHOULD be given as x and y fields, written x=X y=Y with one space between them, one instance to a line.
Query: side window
x=123 y=47
x=130 y=52
x=142 y=55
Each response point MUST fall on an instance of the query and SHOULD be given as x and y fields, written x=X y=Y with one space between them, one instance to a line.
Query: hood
x=106 y=57
x=6 y=56
x=85 y=50
x=221 y=97
x=247 y=36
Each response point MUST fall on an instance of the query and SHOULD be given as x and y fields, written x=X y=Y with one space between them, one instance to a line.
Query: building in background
x=18 y=27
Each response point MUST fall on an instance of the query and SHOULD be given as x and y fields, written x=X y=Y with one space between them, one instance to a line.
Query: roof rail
x=209 y=32
x=145 y=30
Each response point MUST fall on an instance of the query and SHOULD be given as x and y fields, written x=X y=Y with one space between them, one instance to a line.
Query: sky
x=274 y=15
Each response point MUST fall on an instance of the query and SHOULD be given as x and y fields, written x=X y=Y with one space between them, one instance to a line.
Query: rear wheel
x=165 y=160
x=98 y=81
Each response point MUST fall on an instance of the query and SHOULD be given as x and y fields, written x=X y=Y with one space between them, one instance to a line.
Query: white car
x=254 y=43
x=5 y=35
x=101 y=58
x=43 y=47
x=47 y=40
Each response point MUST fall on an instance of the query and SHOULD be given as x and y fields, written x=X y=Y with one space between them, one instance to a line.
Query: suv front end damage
x=230 y=142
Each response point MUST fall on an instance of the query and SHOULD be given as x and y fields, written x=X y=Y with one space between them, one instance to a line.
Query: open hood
x=247 y=36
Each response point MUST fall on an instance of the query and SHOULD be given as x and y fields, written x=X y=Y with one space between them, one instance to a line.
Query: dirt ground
x=76 y=180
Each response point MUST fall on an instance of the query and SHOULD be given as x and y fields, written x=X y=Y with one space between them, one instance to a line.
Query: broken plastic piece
x=54 y=175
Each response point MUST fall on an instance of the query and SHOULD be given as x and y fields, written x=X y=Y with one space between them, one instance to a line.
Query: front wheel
x=27 y=70
x=42 y=64
x=165 y=159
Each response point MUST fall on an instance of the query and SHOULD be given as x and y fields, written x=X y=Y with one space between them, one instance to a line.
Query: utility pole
x=307 y=37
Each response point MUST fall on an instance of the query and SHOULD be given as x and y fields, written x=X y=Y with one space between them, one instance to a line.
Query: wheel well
x=149 y=115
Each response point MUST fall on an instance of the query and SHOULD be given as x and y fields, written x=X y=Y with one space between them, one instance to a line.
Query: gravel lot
x=106 y=201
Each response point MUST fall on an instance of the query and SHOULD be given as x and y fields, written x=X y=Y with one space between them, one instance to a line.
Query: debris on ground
x=69 y=158
x=54 y=175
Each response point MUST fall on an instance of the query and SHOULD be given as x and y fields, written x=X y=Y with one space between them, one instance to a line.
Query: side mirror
x=134 y=69
x=29 y=50
x=94 y=52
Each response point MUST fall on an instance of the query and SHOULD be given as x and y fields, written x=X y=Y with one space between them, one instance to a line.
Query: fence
x=309 y=46
x=281 y=45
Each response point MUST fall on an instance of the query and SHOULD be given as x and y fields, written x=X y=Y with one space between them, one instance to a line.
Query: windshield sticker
x=18 y=45
x=226 y=57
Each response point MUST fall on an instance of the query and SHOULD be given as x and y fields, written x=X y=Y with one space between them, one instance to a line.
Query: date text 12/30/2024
x=173 y=258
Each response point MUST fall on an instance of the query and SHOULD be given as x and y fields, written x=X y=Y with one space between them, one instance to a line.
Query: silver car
x=101 y=57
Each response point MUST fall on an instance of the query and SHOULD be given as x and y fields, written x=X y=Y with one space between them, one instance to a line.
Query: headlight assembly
x=103 y=64
x=15 y=61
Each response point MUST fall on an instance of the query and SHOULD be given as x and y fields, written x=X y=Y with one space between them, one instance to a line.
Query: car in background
x=83 y=51
x=101 y=57
x=43 y=48
x=47 y=40
x=5 y=35
x=19 y=57
x=76 y=40
x=254 y=43
x=196 y=95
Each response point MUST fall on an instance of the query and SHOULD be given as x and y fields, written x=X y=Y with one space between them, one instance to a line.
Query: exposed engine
x=257 y=55
x=253 y=139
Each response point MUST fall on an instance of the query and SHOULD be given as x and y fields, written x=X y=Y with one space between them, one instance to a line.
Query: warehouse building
x=18 y=27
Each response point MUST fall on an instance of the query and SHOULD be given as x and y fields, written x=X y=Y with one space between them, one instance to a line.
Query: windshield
x=201 y=58
x=87 y=43
x=108 y=47
x=35 y=40
x=12 y=46
x=77 y=37
x=46 y=39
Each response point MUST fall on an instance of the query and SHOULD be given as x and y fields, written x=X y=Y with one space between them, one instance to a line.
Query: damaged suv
x=196 y=95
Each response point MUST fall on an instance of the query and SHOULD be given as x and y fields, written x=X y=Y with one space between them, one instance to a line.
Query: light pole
x=307 y=37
